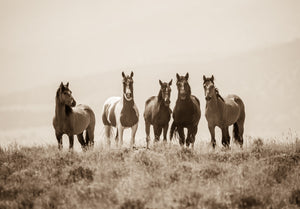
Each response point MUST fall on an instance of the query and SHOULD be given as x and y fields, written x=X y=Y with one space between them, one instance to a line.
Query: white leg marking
x=133 y=132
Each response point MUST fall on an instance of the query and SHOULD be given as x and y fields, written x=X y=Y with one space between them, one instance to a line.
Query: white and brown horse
x=223 y=113
x=72 y=120
x=121 y=112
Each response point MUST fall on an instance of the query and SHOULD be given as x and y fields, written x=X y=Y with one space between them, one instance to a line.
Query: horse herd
x=122 y=113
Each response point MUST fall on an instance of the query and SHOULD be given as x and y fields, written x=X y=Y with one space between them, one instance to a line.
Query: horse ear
x=170 y=83
x=160 y=82
x=212 y=78
x=61 y=84
x=131 y=75
x=204 y=78
x=67 y=85
x=123 y=74
x=177 y=76
x=187 y=76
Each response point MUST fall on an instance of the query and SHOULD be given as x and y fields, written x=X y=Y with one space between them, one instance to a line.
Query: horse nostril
x=73 y=103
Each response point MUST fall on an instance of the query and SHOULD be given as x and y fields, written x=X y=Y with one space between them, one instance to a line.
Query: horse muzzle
x=73 y=104
x=167 y=102
x=208 y=98
x=128 y=96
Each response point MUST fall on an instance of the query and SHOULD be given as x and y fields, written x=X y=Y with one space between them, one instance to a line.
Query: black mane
x=218 y=94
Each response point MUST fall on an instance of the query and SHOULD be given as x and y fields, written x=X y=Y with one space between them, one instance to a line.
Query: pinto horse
x=72 y=120
x=223 y=112
x=158 y=113
x=186 y=113
x=121 y=113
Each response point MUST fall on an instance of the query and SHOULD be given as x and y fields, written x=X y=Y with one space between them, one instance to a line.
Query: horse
x=223 y=112
x=72 y=120
x=186 y=113
x=158 y=113
x=122 y=113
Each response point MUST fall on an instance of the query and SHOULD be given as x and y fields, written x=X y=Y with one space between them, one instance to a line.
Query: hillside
x=261 y=176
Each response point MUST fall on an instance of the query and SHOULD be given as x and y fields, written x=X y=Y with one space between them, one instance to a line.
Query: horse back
x=234 y=108
x=149 y=108
x=108 y=113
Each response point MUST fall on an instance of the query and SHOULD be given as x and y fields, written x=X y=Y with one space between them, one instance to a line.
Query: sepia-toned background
x=252 y=48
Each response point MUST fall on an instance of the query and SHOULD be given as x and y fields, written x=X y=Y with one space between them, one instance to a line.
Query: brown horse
x=72 y=120
x=186 y=113
x=158 y=113
x=223 y=113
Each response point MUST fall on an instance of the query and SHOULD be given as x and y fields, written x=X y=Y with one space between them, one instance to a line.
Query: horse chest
x=63 y=126
x=162 y=117
x=128 y=117
x=183 y=112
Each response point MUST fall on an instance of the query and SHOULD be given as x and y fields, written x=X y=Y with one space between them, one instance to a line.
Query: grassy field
x=259 y=176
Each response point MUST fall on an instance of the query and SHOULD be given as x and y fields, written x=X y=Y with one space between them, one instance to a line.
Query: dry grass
x=260 y=176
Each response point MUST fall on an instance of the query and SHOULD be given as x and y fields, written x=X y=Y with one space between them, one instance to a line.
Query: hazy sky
x=45 y=41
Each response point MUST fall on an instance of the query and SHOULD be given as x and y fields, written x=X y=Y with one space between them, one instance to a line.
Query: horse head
x=183 y=87
x=64 y=95
x=210 y=91
x=128 y=86
x=165 y=92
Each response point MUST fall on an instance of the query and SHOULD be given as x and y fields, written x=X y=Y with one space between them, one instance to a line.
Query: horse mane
x=218 y=94
x=189 y=92
x=159 y=95
x=68 y=110
x=57 y=94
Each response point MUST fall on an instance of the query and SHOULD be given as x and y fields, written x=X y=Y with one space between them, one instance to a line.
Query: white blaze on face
x=128 y=93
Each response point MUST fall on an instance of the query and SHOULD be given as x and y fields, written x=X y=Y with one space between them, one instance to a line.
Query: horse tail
x=238 y=126
x=172 y=130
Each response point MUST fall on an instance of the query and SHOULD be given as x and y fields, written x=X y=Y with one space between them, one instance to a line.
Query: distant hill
x=267 y=80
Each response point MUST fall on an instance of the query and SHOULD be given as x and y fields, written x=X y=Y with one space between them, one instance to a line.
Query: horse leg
x=89 y=137
x=81 y=140
x=120 y=136
x=71 y=142
x=133 y=132
x=191 y=136
x=157 y=132
x=181 y=136
x=212 y=135
x=59 y=140
x=165 y=131
x=107 y=134
x=117 y=137
x=225 y=137
x=147 y=126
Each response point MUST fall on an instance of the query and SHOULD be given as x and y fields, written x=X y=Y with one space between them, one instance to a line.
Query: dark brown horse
x=186 y=113
x=121 y=112
x=72 y=120
x=158 y=113
x=223 y=113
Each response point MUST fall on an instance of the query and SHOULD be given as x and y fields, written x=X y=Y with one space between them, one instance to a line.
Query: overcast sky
x=45 y=41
